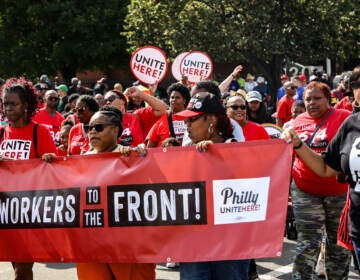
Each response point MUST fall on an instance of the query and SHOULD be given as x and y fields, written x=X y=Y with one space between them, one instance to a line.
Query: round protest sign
x=196 y=66
x=149 y=64
x=273 y=130
x=175 y=67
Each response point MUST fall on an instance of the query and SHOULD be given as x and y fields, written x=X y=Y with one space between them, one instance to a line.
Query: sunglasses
x=111 y=98
x=236 y=107
x=53 y=98
x=80 y=110
x=192 y=119
x=99 y=127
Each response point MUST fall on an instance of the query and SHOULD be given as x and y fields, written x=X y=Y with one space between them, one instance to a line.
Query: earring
x=25 y=110
x=211 y=129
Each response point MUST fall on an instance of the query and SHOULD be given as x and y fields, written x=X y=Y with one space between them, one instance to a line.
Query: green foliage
x=265 y=33
x=68 y=36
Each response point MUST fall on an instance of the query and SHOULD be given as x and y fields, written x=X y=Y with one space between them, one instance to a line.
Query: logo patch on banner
x=157 y=204
x=240 y=200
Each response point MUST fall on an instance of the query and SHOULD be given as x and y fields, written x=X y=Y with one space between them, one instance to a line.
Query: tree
x=67 y=36
x=264 y=33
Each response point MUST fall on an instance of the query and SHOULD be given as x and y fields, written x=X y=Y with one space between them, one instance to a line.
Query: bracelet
x=298 y=146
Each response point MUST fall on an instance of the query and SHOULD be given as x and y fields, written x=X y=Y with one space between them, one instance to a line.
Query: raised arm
x=159 y=107
x=224 y=86
x=313 y=160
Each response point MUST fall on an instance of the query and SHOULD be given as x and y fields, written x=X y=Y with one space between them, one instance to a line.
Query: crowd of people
x=59 y=119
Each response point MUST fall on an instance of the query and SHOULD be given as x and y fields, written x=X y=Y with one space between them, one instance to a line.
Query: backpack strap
x=35 y=138
x=170 y=122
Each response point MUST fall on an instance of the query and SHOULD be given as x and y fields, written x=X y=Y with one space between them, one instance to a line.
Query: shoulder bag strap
x=318 y=126
x=170 y=122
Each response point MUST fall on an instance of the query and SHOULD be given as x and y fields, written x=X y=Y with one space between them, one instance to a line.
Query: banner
x=176 y=204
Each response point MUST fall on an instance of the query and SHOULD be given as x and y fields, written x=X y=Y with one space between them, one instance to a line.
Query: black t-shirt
x=343 y=154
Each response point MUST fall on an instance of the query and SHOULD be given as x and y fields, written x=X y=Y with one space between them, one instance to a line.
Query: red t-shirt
x=132 y=132
x=344 y=104
x=284 y=108
x=52 y=122
x=78 y=142
x=160 y=130
x=254 y=131
x=18 y=143
x=147 y=119
x=306 y=179
x=60 y=152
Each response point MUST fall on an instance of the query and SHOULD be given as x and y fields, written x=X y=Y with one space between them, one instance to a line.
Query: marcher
x=20 y=103
x=256 y=111
x=207 y=123
x=49 y=116
x=317 y=201
x=170 y=124
x=283 y=112
x=132 y=134
x=86 y=106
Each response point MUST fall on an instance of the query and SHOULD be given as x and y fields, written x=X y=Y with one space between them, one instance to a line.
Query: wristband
x=298 y=146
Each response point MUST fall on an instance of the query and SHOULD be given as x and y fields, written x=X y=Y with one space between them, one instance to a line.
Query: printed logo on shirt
x=179 y=128
x=354 y=163
x=16 y=149
x=240 y=200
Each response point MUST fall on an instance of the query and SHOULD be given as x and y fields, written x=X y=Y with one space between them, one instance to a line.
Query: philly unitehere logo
x=240 y=200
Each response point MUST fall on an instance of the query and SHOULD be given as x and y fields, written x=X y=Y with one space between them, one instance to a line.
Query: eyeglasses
x=53 y=98
x=99 y=127
x=111 y=98
x=80 y=110
x=237 y=107
x=192 y=119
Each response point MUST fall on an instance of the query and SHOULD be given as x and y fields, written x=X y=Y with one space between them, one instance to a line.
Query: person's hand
x=237 y=71
x=133 y=91
x=153 y=88
x=125 y=150
x=290 y=135
x=140 y=149
x=202 y=146
x=49 y=157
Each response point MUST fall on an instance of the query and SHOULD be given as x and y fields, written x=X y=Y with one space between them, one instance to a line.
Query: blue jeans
x=215 y=270
x=356 y=243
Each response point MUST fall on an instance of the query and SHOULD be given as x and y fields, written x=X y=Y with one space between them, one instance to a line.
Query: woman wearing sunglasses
x=22 y=139
x=104 y=129
x=318 y=201
x=132 y=134
x=236 y=109
x=207 y=123
x=86 y=107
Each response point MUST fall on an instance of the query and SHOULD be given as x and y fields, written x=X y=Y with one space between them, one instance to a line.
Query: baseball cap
x=253 y=96
x=200 y=103
x=302 y=78
x=62 y=87
x=260 y=80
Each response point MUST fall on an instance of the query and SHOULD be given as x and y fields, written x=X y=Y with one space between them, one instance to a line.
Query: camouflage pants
x=313 y=214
